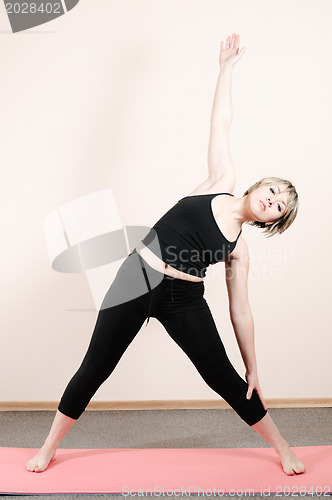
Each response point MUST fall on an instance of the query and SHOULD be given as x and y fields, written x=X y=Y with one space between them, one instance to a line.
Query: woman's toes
x=41 y=461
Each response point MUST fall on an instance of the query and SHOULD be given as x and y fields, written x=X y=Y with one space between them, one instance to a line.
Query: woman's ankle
x=281 y=446
x=49 y=443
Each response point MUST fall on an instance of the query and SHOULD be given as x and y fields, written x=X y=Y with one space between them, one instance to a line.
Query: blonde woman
x=164 y=275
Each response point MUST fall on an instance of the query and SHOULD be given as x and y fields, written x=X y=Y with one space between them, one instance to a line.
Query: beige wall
x=118 y=94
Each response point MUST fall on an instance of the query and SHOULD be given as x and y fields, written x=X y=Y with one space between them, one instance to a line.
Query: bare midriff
x=161 y=266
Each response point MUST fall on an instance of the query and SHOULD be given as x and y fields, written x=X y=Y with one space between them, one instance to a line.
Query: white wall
x=118 y=94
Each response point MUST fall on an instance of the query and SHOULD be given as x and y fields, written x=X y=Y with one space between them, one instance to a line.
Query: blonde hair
x=282 y=223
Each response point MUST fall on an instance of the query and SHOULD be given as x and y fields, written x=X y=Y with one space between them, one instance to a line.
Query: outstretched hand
x=229 y=54
x=252 y=380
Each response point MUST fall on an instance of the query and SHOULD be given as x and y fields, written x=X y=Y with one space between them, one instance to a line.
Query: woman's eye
x=279 y=206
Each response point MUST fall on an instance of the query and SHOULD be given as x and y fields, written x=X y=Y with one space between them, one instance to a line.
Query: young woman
x=163 y=277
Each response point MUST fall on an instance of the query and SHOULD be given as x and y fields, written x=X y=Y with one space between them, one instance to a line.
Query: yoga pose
x=163 y=277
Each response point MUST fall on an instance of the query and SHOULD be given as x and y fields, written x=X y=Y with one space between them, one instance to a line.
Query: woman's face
x=268 y=203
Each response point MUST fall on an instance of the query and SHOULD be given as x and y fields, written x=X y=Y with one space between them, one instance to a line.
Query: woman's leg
x=115 y=328
x=192 y=327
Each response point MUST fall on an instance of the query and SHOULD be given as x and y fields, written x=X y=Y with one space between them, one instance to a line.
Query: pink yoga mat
x=167 y=471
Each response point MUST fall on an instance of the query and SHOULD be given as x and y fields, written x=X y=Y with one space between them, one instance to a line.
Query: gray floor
x=164 y=429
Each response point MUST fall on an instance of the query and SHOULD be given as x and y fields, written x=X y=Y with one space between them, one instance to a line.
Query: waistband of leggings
x=167 y=278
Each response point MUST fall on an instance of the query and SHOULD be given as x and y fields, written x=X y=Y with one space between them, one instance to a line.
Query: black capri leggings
x=138 y=292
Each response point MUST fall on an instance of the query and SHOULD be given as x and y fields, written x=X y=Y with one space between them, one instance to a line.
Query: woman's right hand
x=229 y=54
x=252 y=381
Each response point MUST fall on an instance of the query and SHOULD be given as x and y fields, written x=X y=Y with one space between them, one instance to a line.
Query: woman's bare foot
x=61 y=424
x=40 y=462
x=268 y=430
x=291 y=464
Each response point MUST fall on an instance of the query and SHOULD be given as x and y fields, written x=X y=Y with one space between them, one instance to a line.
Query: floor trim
x=193 y=404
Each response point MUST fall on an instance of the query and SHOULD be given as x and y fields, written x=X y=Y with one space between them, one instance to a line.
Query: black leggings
x=137 y=292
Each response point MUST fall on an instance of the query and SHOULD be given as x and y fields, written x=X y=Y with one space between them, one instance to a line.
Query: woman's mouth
x=262 y=205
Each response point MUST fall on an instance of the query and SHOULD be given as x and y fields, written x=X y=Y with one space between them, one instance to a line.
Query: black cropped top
x=188 y=237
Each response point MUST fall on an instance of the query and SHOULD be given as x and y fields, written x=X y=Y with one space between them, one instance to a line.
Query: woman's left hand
x=229 y=53
x=252 y=380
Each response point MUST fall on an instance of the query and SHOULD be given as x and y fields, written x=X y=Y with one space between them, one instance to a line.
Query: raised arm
x=220 y=164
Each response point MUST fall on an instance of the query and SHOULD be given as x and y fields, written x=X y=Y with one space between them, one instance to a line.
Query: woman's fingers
x=261 y=398
x=249 y=391
x=240 y=54
x=259 y=392
x=232 y=42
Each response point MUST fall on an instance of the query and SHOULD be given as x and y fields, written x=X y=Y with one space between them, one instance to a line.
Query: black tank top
x=188 y=237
